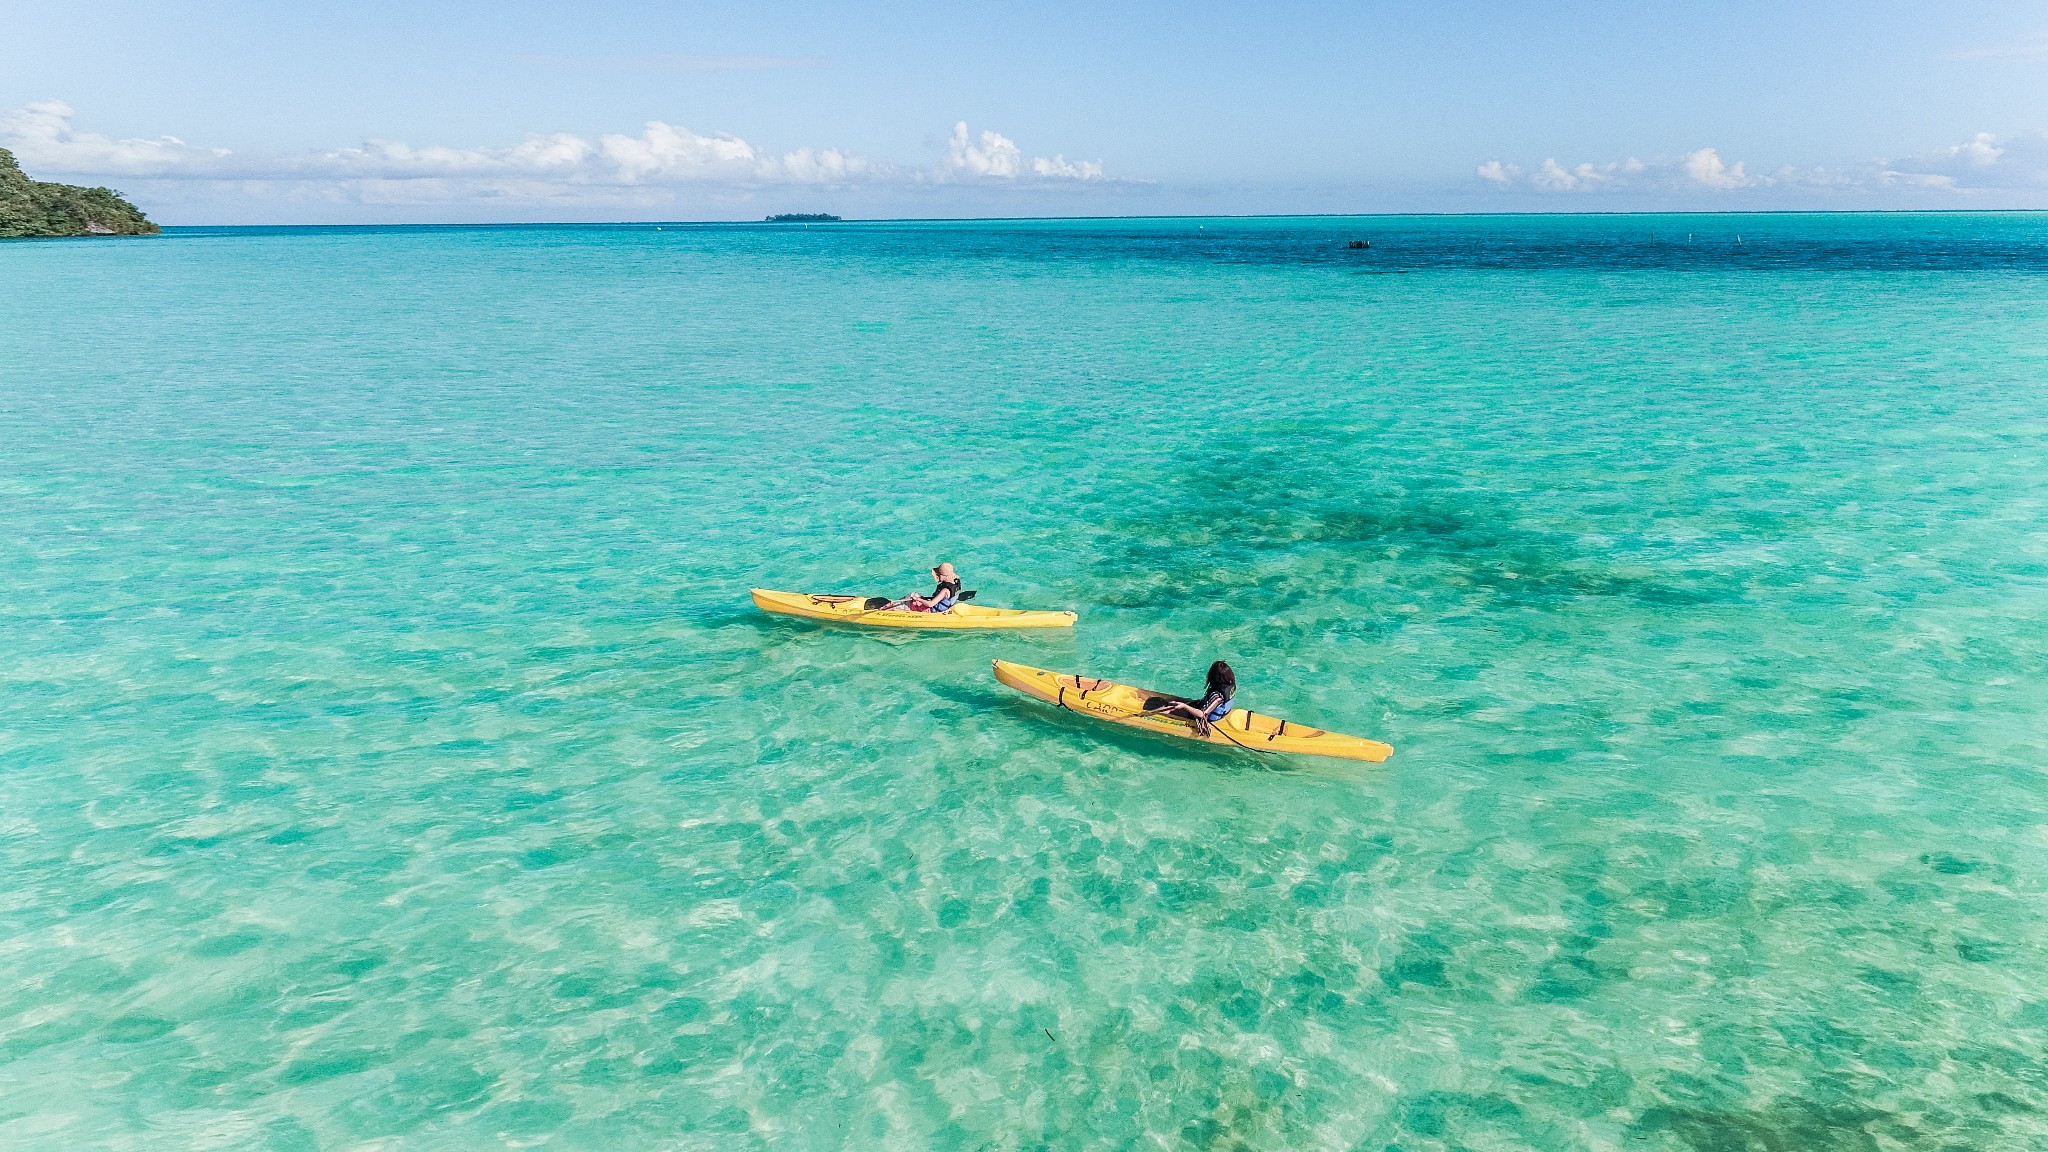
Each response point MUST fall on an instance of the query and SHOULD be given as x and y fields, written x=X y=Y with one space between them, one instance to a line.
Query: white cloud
x=395 y=159
x=41 y=137
x=830 y=166
x=665 y=152
x=1984 y=161
x=1928 y=180
x=661 y=154
x=1706 y=168
x=1060 y=168
x=1555 y=177
x=1981 y=150
x=539 y=168
x=995 y=156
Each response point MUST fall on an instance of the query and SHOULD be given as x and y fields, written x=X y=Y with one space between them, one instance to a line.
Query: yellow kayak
x=854 y=610
x=1123 y=704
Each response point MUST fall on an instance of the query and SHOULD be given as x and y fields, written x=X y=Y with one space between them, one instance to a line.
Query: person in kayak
x=1212 y=707
x=942 y=598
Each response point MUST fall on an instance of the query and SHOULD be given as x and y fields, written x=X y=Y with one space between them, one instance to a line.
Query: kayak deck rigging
x=1125 y=705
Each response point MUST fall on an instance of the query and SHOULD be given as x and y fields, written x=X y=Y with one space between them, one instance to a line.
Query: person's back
x=943 y=597
x=1221 y=690
x=1218 y=696
x=947 y=593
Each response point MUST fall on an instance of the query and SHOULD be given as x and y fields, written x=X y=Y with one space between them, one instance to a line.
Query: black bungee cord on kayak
x=1217 y=726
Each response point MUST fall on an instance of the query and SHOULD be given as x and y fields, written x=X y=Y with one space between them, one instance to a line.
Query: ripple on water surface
x=389 y=756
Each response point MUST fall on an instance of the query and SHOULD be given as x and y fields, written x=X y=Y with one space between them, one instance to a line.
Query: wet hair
x=1222 y=679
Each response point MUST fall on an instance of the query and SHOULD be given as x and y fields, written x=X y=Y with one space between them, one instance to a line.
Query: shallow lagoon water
x=390 y=758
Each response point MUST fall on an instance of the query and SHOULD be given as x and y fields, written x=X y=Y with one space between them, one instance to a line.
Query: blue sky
x=376 y=111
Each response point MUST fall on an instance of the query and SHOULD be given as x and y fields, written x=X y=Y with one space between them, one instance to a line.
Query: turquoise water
x=390 y=758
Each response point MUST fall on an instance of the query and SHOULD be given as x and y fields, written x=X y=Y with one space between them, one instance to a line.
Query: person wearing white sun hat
x=942 y=598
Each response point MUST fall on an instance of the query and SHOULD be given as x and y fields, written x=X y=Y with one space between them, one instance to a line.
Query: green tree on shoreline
x=35 y=208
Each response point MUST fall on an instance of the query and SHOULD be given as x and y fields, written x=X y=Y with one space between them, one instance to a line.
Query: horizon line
x=1141 y=216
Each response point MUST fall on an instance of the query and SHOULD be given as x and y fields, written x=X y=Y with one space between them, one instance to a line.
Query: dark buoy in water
x=1357 y=244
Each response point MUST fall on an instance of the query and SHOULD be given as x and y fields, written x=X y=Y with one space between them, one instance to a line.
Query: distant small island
x=803 y=218
x=35 y=208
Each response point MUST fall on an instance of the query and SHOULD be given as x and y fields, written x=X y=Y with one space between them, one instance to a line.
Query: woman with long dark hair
x=1212 y=707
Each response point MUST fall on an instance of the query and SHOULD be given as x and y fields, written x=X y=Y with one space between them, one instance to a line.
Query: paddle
x=1152 y=702
x=877 y=603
